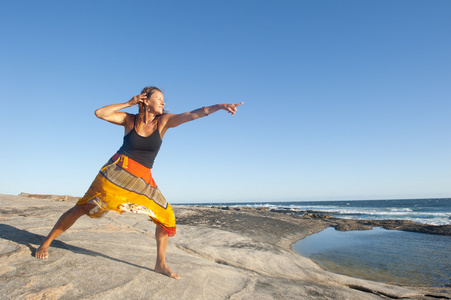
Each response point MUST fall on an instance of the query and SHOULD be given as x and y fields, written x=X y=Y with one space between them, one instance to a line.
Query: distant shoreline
x=349 y=224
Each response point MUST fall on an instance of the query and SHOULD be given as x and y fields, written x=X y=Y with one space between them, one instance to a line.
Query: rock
x=50 y=197
x=316 y=216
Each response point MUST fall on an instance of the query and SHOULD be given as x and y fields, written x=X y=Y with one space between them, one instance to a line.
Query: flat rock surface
x=219 y=254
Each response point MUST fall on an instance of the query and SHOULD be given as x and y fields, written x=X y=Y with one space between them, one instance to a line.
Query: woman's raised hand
x=231 y=108
x=136 y=99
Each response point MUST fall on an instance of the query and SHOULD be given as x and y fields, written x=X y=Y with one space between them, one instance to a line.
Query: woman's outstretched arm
x=174 y=120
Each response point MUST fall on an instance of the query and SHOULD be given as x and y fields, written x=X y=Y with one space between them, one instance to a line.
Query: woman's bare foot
x=42 y=252
x=166 y=271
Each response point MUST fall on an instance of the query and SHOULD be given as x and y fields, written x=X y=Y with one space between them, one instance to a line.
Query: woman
x=125 y=183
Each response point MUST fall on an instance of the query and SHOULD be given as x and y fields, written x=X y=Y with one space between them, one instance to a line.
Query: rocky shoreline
x=220 y=253
x=349 y=224
x=337 y=223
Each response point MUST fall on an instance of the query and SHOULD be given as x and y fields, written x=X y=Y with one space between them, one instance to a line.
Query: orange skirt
x=124 y=185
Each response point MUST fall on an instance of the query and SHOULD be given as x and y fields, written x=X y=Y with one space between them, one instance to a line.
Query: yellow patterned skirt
x=124 y=185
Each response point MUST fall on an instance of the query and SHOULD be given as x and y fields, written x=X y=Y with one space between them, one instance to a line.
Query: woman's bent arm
x=110 y=112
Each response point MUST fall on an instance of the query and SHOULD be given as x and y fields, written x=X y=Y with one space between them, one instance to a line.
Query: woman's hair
x=149 y=90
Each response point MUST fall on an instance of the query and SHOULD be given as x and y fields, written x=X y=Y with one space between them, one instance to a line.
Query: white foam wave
x=431 y=218
x=367 y=213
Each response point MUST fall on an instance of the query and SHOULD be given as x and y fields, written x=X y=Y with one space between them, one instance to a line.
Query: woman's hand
x=136 y=99
x=231 y=108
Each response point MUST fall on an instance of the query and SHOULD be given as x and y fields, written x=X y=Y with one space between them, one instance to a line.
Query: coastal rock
x=219 y=254
x=235 y=208
x=316 y=216
x=404 y=225
x=50 y=197
x=283 y=211
x=352 y=226
x=415 y=227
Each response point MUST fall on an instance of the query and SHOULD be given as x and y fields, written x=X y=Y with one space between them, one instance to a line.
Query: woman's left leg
x=162 y=238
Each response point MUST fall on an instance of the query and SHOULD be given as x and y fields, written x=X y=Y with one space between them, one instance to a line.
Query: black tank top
x=141 y=149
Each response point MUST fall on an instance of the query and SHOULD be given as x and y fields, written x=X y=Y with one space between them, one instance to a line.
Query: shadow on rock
x=26 y=238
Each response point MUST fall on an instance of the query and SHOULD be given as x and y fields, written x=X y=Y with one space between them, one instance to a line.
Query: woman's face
x=155 y=103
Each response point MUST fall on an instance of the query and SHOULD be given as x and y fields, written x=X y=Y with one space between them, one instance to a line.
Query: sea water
x=392 y=256
x=426 y=211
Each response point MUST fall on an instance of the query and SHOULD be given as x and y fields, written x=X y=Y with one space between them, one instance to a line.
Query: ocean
x=426 y=211
x=392 y=256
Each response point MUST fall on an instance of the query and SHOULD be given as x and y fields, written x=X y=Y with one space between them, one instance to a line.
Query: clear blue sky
x=343 y=99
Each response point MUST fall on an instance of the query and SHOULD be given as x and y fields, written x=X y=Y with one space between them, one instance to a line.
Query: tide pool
x=391 y=256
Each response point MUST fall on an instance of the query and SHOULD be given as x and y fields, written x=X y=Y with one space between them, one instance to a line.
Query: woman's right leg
x=162 y=241
x=63 y=223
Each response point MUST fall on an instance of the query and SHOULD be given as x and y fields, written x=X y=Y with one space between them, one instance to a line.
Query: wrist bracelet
x=203 y=111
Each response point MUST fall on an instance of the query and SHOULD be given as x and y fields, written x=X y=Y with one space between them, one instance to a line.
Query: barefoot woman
x=125 y=183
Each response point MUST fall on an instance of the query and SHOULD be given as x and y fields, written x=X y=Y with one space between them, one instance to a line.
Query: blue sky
x=343 y=99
